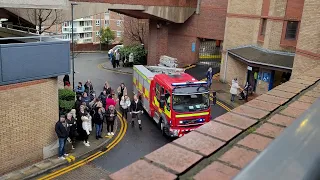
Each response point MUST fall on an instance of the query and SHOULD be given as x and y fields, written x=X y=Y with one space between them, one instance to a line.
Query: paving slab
x=282 y=94
x=142 y=170
x=285 y=88
x=302 y=81
x=30 y=170
x=300 y=105
x=292 y=112
x=255 y=141
x=308 y=78
x=315 y=94
x=200 y=143
x=217 y=171
x=272 y=99
x=269 y=130
x=219 y=130
x=236 y=120
x=263 y=105
x=44 y=164
x=174 y=157
x=238 y=157
x=250 y=112
x=297 y=85
x=307 y=99
x=281 y=120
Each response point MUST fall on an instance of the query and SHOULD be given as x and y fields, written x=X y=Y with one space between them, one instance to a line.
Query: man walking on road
x=136 y=109
x=62 y=131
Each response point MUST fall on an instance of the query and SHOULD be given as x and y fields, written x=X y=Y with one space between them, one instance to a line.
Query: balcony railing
x=33 y=57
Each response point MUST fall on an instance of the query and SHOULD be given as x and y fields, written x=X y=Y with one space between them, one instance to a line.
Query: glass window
x=81 y=23
x=263 y=26
x=97 y=22
x=118 y=33
x=106 y=23
x=97 y=33
x=292 y=28
x=81 y=35
x=168 y=100
x=190 y=102
x=118 y=23
x=159 y=91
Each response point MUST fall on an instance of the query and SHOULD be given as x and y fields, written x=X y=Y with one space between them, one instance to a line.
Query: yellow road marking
x=189 y=67
x=108 y=137
x=68 y=159
x=119 y=137
x=72 y=158
x=118 y=72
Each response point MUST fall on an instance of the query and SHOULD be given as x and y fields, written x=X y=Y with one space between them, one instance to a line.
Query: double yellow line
x=80 y=163
x=218 y=102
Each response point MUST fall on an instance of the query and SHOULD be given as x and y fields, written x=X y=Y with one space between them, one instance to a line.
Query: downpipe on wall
x=198 y=7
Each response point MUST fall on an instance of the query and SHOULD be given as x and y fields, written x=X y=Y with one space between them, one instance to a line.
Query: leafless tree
x=135 y=30
x=44 y=18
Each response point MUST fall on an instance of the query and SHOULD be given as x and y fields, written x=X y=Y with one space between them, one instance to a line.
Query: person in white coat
x=86 y=125
x=234 y=89
x=125 y=104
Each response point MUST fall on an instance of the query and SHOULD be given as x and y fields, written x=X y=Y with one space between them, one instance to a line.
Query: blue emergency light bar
x=189 y=83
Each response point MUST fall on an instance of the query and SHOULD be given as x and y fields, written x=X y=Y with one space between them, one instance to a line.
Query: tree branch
x=53 y=22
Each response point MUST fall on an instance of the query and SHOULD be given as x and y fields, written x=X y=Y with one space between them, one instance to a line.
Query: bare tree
x=135 y=30
x=44 y=19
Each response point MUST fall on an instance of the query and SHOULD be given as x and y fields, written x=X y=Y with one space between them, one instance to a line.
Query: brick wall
x=277 y=8
x=131 y=31
x=28 y=114
x=235 y=69
x=92 y=47
x=246 y=7
x=308 y=46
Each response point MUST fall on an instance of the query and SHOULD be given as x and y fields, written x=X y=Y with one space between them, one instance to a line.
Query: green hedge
x=66 y=100
x=138 y=51
x=66 y=94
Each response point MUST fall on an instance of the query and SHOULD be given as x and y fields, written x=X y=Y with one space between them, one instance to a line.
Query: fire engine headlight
x=174 y=132
x=181 y=122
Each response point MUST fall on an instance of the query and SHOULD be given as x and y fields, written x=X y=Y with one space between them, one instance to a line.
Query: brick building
x=266 y=40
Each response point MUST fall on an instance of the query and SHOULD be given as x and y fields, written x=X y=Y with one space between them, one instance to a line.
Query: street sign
x=193 y=47
x=249 y=68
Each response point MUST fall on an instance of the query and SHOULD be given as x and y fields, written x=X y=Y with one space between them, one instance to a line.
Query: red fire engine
x=176 y=101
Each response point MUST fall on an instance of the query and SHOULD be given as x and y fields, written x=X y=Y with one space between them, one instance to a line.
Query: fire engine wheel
x=164 y=129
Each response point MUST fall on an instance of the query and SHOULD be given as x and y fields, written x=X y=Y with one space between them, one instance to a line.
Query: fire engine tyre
x=164 y=129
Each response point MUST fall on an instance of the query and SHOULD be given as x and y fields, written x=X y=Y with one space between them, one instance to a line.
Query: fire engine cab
x=175 y=100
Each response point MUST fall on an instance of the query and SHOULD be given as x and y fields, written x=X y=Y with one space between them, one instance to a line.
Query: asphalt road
x=136 y=143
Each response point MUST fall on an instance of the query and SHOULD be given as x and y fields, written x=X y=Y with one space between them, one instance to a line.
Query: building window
x=118 y=33
x=107 y=12
x=66 y=24
x=263 y=26
x=81 y=35
x=106 y=23
x=97 y=22
x=81 y=23
x=291 y=31
x=118 y=23
x=97 y=33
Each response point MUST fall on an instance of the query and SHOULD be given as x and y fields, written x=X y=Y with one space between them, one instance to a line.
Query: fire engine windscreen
x=190 y=102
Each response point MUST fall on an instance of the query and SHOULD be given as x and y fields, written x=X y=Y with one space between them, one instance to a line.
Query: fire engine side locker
x=141 y=79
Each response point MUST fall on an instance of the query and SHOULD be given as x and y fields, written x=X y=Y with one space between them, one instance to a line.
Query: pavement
x=221 y=148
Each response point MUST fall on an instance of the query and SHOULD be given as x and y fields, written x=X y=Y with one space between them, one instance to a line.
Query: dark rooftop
x=256 y=55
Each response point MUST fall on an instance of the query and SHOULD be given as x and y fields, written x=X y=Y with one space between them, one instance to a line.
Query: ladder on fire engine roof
x=168 y=65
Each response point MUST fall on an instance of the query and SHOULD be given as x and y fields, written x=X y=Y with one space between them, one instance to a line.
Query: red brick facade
x=175 y=3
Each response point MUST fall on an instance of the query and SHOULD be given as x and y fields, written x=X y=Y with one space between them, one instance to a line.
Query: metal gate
x=210 y=53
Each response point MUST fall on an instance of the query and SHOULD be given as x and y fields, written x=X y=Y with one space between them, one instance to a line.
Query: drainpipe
x=198 y=7
x=225 y=66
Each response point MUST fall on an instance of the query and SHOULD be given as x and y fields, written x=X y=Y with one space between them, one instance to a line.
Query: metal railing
x=292 y=155
x=41 y=38
x=24 y=29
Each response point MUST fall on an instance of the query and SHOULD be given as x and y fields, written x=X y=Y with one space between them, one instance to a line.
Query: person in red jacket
x=110 y=101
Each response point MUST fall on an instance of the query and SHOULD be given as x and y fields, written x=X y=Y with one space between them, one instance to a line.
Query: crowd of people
x=92 y=112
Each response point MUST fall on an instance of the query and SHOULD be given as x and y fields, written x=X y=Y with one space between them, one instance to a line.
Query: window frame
x=97 y=33
x=97 y=22
x=159 y=90
x=263 y=27
x=118 y=23
x=289 y=35
x=118 y=33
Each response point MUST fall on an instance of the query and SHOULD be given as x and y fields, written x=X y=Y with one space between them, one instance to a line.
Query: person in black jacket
x=71 y=122
x=98 y=119
x=111 y=114
x=135 y=110
x=62 y=131
x=66 y=80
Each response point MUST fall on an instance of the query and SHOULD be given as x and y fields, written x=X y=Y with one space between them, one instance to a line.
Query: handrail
x=7 y=25
x=292 y=155
x=31 y=37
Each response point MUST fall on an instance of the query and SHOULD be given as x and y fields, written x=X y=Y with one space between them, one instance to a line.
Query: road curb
x=117 y=71
x=66 y=163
